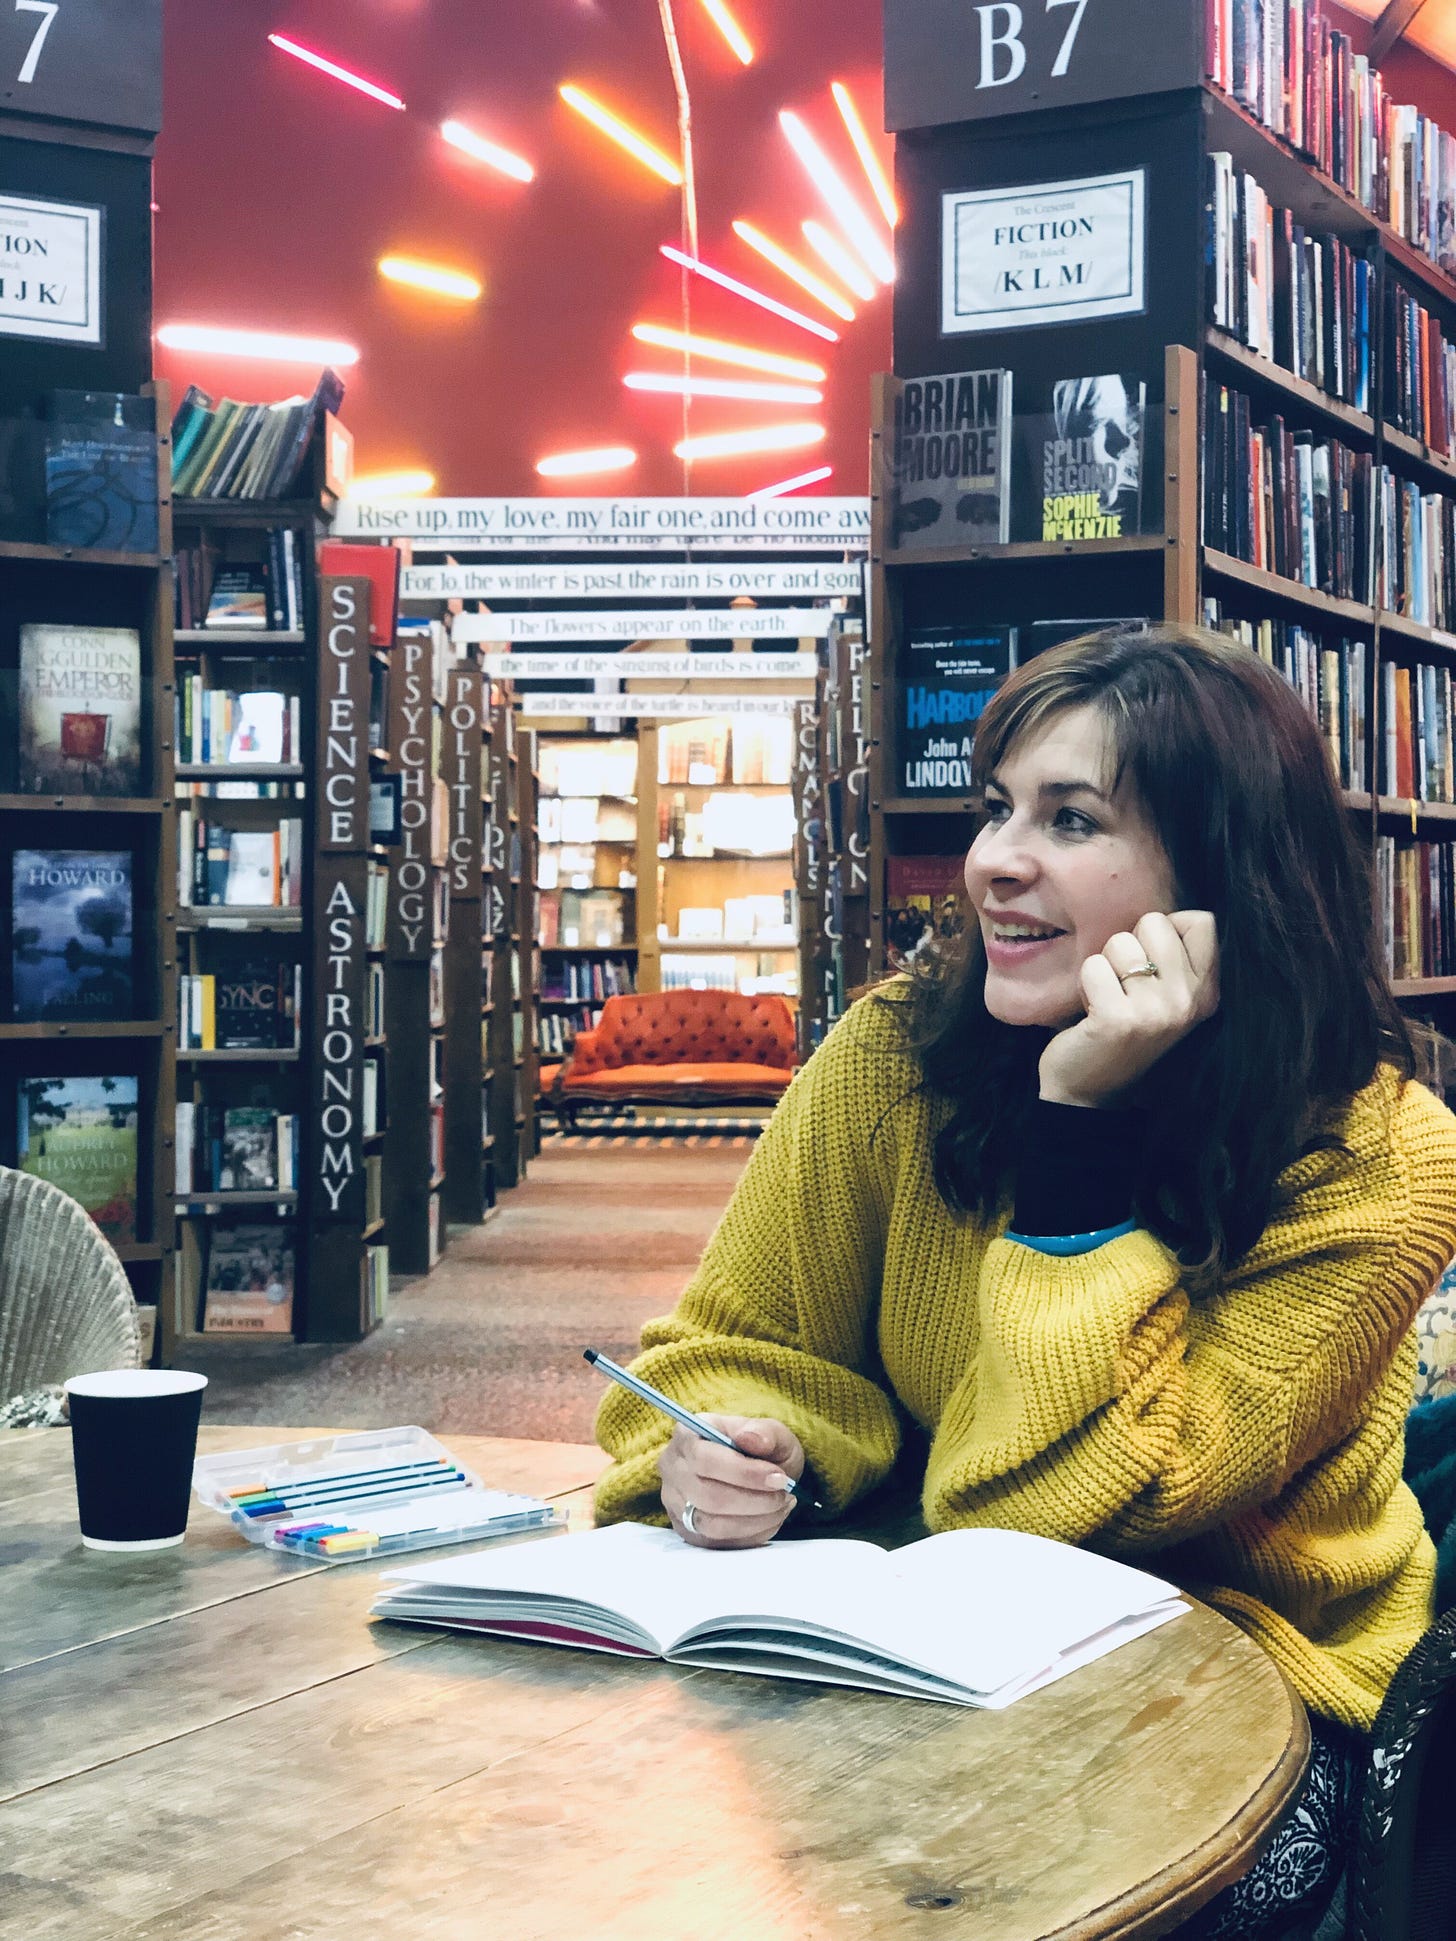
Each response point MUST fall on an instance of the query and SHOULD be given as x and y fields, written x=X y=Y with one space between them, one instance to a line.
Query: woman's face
x=1060 y=865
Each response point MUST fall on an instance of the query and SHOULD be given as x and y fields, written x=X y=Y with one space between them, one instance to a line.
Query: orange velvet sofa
x=697 y=1048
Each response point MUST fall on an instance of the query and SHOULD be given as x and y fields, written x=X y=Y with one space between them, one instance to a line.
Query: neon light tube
x=826 y=179
x=729 y=28
x=793 y=484
x=339 y=73
x=429 y=276
x=715 y=350
x=793 y=269
x=565 y=465
x=869 y=161
x=256 y=343
x=699 y=268
x=393 y=485
x=764 y=438
x=721 y=387
x=469 y=143
x=618 y=131
x=833 y=253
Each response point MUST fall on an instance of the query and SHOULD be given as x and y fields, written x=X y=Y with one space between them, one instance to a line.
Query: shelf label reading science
x=581 y=525
x=1054 y=252
x=343 y=714
x=948 y=676
x=681 y=580
x=50 y=270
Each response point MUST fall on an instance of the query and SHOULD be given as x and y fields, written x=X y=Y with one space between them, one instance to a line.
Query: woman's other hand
x=738 y=1499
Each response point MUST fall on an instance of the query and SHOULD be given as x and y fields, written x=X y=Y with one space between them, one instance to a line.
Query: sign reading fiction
x=963 y=60
x=98 y=61
x=50 y=270
x=648 y=623
x=1052 y=252
x=650 y=667
x=709 y=579
x=343 y=715
x=409 y=929
x=460 y=760
x=620 y=525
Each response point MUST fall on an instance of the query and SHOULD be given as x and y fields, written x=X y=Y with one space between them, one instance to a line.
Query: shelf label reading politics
x=615 y=525
x=681 y=580
x=1052 y=252
x=50 y=270
x=952 y=461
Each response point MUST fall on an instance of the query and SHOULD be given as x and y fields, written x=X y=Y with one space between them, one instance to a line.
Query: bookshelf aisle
x=1258 y=437
x=508 y=919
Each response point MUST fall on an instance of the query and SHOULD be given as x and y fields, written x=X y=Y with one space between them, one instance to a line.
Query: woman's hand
x=738 y=1500
x=1133 y=1019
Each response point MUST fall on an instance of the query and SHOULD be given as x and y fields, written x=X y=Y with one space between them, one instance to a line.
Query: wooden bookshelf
x=508 y=942
x=469 y=1169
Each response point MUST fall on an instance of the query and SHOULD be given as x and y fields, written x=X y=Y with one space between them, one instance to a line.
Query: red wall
x=278 y=190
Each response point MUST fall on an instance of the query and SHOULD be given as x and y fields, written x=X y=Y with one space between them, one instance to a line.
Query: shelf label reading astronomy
x=650 y=667
x=582 y=525
x=670 y=707
x=622 y=623
x=709 y=579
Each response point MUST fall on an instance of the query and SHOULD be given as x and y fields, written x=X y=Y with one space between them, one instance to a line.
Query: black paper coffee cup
x=133 y=1438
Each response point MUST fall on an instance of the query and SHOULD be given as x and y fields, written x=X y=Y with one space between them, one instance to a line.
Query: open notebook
x=970 y=1617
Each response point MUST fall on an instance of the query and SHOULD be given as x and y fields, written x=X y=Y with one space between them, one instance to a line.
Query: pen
x=646 y=1393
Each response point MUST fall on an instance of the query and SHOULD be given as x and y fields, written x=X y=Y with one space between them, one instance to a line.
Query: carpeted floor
x=597 y=1239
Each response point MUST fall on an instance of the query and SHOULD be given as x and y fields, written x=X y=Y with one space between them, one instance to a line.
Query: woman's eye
x=1077 y=823
x=997 y=811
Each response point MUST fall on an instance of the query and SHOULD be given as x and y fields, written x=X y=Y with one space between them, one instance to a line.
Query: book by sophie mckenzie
x=947 y=676
x=71 y=934
x=81 y=1134
x=1085 y=458
x=80 y=710
x=951 y=461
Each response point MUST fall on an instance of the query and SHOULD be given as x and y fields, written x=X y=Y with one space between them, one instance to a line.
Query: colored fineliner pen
x=335 y=1478
x=645 y=1392
x=338 y=1498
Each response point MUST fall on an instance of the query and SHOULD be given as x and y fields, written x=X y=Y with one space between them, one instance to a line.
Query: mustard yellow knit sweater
x=1248 y=1444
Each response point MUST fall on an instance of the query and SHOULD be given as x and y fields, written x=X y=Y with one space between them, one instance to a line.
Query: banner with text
x=1053 y=252
x=648 y=623
x=650 y=667
x=710 y=579
x=683 y=707
x=580 y=525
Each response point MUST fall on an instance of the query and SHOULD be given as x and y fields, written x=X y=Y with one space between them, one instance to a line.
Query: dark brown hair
x=1236 y=778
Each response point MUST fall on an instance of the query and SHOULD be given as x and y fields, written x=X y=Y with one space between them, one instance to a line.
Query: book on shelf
x=702 y=971
x=239 y=598
x=219 y=866
x=950 y=465
x=1085 y=459
x=71 y=935
x=371 y=1097
x=101 y=471
x=81 y=1134
x=924 y=898
x=1328 y=673
x=246 y=451
x=1420 y=372
x=374 y=1283
x=249 y=1281
x=80 y=710
x=597 y=767
x=379 y=565
x=693 y=753
x=235 y=1149
x=947 y=675
x=255 y=1005
x=278 y=575
x=1416 y=905
x=833 y=1610
x=222 y=727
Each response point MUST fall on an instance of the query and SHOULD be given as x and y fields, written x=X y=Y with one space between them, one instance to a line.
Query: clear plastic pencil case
x=363 y=1494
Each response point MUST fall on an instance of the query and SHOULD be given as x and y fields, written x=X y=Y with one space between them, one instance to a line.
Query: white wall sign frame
x=749 y=668
x=617 y=525
x=682 y=580
x=666 y=706
x=1044 y=253
x=650 y=623
x=51 y=270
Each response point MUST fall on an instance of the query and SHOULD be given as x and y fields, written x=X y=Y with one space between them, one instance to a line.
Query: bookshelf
x=469 y=1163
x=508 y=926
x=832 y=832
x=1310 y=340
x=110 y=1020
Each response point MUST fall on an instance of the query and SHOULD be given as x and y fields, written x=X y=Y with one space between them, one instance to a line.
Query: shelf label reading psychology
x=964 y=60
x=460 y=760
x=50 y=270
x=1052 y=252
x=681 y=580
x=668 y=706
x=743 y=668
x=648 y=623
x=343 y=714
x=617 y=525
x=409 y=934
x=340 y=970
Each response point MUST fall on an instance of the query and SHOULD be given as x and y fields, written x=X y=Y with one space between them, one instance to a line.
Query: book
x=71 y=934
x=80 y=710
x=380 y=566
x=256 y=1005
x=81 y=1134
x=1085 y=458
x=101 y=471
x=252 y=867
x=239 y=598
x=249 y=1281
x=259 y=727
x=951 y=461
x=249 y=1154
x=924 y=897
x=947 y=676
x=917 y=1622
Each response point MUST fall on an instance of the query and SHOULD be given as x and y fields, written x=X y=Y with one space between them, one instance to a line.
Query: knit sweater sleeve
x=778 y=1318
x=1101 y=1400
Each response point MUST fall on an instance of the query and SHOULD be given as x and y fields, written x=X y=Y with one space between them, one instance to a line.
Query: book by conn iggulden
x=951 y=461
x=71 y=934
x=80 y=710
x=81 y=1134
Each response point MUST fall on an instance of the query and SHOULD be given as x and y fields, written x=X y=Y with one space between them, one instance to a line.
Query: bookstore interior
x=365 y=834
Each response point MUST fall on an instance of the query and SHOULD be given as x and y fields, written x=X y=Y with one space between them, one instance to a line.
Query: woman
x=1124 y=1205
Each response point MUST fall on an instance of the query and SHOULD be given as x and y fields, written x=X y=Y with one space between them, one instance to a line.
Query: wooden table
x=213 y=1744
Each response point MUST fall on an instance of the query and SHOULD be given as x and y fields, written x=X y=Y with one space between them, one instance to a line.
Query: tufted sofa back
x=688 y=1028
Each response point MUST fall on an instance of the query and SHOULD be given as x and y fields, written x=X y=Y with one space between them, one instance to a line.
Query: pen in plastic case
x=335 y=1498
x=645 y=1392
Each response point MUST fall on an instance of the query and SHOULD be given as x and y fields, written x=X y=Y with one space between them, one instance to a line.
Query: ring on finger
x=690 y=1517
x=1149 y=969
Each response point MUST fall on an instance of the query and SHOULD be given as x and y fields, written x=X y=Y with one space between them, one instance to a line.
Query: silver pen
x=645 y=1392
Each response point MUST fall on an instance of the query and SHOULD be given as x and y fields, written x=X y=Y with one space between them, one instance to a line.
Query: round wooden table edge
x=1181 y=1889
